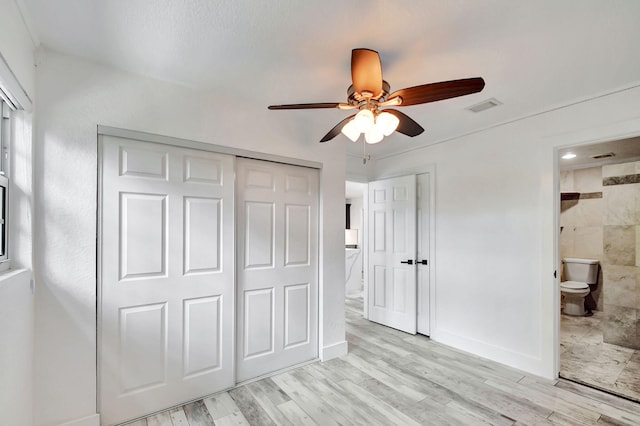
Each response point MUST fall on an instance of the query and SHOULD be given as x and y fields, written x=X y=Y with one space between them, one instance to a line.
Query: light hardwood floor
x=390 y=377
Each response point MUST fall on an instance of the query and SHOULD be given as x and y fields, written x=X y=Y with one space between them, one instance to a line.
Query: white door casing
x=423 y=218
x=277 y=266
x=166 y=276
x=392 y=240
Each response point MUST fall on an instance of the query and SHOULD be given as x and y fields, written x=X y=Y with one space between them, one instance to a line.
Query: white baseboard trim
x=92 y=420
x=334 y=351
x=525 y=362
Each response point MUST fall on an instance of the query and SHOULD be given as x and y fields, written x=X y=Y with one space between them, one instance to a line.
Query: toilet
x=579 y=273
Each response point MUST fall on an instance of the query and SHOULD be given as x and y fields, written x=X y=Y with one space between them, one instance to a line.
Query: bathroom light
x=363 y=120
x=387 y=122
x=569 y=156
x=351 y=131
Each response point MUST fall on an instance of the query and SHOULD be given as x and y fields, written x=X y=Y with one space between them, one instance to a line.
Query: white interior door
x=423 y=260
x=277 y=266
x=166 y=297
x=392 y=253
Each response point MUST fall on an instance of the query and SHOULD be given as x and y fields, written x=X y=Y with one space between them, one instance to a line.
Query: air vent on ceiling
x=484 y=105
x=601 y=156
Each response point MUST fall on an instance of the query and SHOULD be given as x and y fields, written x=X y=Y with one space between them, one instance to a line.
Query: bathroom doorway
x=600 y=220
x=355 y=245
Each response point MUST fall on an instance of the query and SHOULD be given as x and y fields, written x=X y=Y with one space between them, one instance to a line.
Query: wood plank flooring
x=390 y=377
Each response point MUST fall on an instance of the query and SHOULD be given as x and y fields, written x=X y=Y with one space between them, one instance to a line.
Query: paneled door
x=166 y=293
x=277 y=266
x=392 y=253
x=423 y=200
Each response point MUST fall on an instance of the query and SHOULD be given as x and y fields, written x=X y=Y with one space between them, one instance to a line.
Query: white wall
x=16 y=349
x=74 y=96
x=495 y=224
x=16 y=297
x=16 y=45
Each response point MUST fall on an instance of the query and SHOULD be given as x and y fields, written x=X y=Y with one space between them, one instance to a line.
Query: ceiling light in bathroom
x=568 y=156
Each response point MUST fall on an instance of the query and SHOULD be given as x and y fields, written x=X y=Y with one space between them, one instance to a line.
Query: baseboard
x=92 y=420
x=509 y=357
x=334 y=351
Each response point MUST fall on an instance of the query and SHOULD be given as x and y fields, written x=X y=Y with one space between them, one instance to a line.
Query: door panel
x=259 y=322
x=202 y=335
x=424 y=212
x=277 y=266
x=166 y=296
x=259 y=234
x=392 y=213
x=143 y=235
x=143 y=338
x=202 y=225
x=296 y=314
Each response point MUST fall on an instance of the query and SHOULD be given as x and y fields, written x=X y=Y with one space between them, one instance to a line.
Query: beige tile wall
x=607 y=229
x=581 y=221
x=621 y=239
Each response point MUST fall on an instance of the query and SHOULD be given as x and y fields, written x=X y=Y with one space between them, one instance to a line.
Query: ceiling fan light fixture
x=374 y=134
x=364 y=120
x=388 y=123
x=351 y=131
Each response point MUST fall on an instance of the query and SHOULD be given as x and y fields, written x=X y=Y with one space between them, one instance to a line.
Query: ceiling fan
x=369 y=93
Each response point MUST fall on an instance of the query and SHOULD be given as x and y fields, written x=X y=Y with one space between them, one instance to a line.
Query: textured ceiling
x=533 y=55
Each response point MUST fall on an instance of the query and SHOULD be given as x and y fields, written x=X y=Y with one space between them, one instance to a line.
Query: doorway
x=598 y=217
x=355 y=245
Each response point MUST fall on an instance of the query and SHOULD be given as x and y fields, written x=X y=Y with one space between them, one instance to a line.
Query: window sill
x=9 y=276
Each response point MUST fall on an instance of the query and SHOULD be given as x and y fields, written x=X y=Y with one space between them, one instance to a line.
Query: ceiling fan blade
x=407 y=125
x=336 y=130
x=366 y=71
x=438 y=91
x=306 y=106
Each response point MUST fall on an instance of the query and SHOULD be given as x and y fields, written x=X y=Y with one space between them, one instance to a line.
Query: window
x=4 y=183
x=13 y=98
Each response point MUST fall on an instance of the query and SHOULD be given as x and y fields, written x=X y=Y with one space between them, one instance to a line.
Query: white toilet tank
x=583 y=270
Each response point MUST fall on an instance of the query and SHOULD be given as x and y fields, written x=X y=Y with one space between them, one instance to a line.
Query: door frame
x=431 y=170
x=559 y=144
x=202 y=146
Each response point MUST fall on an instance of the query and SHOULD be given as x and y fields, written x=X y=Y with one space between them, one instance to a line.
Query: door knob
x=408 y=262
x=423 y=262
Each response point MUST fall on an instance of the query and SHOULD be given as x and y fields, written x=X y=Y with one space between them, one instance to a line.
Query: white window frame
x=5 y=143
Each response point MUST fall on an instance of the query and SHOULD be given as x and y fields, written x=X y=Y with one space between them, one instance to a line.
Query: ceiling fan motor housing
x=355 y=98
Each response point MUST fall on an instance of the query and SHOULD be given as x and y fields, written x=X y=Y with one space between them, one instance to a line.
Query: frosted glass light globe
x=374 y=134
x=387 y=122
x=350 y=130
x=363 y=120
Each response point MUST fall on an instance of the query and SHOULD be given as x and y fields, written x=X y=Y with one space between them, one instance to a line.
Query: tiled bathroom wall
x=600 y=219
x=621 y=262
x=581 y=219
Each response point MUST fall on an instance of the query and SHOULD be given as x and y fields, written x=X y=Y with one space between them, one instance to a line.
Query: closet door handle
x=422 y=262
x=408 y=262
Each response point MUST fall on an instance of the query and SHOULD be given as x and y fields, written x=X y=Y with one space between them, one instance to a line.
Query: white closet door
x=166 y=300
x=392 y=253
x=277 y=266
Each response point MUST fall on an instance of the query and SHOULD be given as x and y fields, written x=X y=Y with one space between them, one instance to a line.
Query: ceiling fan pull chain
x=364 y=152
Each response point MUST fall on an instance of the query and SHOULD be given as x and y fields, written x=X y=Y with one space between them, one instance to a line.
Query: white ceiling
x=533 y=55
x=623 y=150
